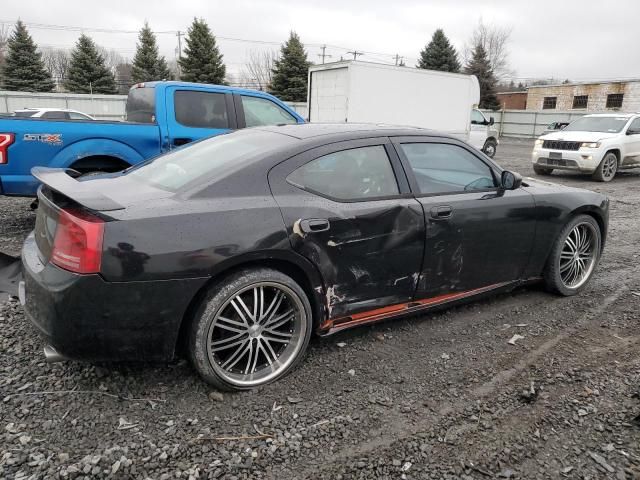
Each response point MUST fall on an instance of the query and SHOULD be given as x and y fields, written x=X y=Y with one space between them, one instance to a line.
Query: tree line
x=87 y=69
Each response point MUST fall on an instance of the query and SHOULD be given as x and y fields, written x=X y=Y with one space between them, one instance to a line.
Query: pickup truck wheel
x=607 y=168
x=542 y=170
x=251 y=329
x=490 y=147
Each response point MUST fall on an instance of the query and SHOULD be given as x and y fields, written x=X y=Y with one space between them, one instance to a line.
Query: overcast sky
x=575 y=39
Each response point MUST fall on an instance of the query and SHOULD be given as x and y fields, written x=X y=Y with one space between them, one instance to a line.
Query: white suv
x=599 y=144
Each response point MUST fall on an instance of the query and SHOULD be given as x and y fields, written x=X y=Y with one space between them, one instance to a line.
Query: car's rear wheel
x=607 y=168
x=490 y=147
x=574 y=256
x=252 y=328
x=542 y=170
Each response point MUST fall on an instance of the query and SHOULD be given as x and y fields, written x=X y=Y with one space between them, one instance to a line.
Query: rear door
x=347 y=209
x=477 y=235
x=195 y=113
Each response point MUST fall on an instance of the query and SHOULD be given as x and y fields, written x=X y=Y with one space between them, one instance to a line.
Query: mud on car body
x=240 y=246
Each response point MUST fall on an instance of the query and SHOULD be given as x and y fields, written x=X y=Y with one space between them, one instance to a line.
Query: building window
x=549 y=103
x=580 y=101
x=614 y=100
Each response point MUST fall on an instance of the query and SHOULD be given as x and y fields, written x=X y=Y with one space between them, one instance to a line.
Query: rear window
x=216 y=157
x=141 y=105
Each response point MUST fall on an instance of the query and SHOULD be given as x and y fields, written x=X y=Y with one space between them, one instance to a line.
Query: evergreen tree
x=290 y=72
x=87 y=70
x=23 y=68
x=439 y=54
x=479 y=66
x=202 y=62
x=147 y=64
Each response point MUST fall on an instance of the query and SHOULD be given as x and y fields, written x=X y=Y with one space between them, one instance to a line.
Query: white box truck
x=356 y=91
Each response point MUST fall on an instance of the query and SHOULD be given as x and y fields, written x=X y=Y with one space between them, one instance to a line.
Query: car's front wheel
x=574 y=256
x=252 y=328
x=542 y=170
x=607 y=168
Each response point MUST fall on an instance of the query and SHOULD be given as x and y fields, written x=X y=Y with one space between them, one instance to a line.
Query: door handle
x=441 y=211
x=181 y=141
x=313 y=225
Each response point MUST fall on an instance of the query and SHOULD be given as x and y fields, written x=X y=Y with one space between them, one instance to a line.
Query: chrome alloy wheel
x=579 y=255
x=609 y=166
x=256 y=334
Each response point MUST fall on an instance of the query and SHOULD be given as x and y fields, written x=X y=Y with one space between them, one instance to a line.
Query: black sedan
x=237 y=248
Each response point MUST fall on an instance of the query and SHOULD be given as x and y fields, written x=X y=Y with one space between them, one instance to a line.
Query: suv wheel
x=607 y=168
x=252 y=328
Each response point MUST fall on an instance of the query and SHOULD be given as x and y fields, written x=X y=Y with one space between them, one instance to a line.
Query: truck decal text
x=50 y=138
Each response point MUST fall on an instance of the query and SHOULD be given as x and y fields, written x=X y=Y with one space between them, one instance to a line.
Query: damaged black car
x=235 y=249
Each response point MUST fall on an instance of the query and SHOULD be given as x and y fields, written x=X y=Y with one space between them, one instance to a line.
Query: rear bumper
x=86 y=318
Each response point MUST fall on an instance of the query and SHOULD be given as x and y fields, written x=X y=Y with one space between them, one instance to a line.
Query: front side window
x=477 y=118
x=635 y=125
x=354 y=174
x=549 y=103
x=260 y=111
x=200 y=109
x=445 y=168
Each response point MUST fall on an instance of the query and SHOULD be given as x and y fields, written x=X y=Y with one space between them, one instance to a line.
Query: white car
x=52 y=114
x=598 y=144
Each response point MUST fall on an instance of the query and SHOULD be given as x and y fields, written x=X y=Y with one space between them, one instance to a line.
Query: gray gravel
x=440 y=396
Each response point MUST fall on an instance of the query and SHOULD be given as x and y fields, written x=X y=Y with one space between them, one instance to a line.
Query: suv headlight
x=590 y=145
x=538 y=143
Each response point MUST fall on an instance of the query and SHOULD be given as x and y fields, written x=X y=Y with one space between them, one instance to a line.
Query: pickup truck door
x=194 y=113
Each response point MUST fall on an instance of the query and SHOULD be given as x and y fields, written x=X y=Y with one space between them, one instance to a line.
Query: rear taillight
x=77 y=245
x=6 y=139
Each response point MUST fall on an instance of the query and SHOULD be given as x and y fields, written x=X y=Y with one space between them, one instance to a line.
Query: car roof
x=616 y=115
x=305 y=131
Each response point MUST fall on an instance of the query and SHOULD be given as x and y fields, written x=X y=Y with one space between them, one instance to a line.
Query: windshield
x=216 y=157
x=597 y=124
x=141 y=105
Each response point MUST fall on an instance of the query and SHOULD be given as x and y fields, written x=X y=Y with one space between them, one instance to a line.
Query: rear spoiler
x=82 y=192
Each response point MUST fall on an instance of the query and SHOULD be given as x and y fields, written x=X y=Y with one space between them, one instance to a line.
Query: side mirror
x=633 y=131
x=510 y=180
x=491 y=121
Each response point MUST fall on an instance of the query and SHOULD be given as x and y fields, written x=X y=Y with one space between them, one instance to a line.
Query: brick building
x=512 y=100
x=623 y=96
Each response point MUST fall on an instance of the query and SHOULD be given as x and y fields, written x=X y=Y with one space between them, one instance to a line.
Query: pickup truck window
x=260 y=111
x=200 y=109
x=141 y=105
x=55 y=116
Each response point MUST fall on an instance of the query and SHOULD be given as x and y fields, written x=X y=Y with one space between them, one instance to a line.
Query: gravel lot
x=440 y=396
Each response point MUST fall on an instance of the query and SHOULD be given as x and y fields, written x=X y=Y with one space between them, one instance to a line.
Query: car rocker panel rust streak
x=201 y=246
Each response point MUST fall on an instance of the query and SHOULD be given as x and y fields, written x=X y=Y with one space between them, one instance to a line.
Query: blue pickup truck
x=159 y=116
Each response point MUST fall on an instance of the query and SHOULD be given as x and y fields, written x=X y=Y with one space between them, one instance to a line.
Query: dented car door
x=477 y=235
x=348 y=209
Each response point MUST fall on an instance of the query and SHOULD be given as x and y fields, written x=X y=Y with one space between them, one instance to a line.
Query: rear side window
x=201 y=109
x=260 y=111
x=445 y=168
x=55 y=116
x=355 y=174
x=141 y=105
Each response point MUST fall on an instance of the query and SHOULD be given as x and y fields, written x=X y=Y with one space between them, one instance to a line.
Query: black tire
x=490 y=147
x=542 y=170
x=607 y=169
x=555 y=272
x=207 y=326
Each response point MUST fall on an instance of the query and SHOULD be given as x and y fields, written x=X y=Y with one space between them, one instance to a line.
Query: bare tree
x=111 y=59
x=4 y=38
x=56 y=61
x=256 y=71
x=495 y=40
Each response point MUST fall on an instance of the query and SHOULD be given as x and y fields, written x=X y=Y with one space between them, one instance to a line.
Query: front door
x=196 y=113
x=347 y=209
x=632 y=144
x=478 y=129
x=477 y=235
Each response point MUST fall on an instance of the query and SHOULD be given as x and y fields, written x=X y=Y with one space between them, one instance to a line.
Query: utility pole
x=399 y=59
x=323 y=54
x=179 y=34
x=356 y=54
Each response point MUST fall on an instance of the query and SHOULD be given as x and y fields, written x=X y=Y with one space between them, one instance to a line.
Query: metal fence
x=528 y=123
